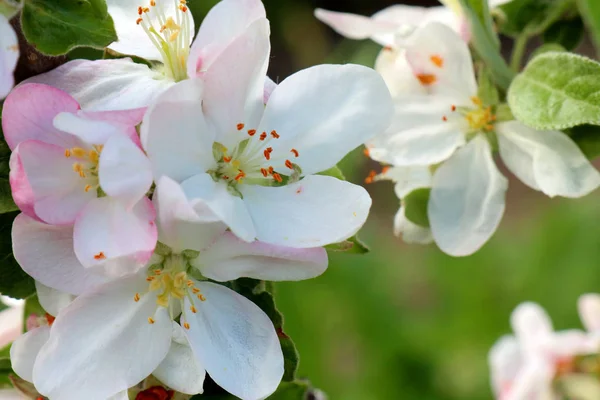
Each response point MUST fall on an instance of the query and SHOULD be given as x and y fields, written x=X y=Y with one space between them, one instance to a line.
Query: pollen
x=186 y=325
x=264 y=172
x=87 y=188
x=289 y=164
x=437 y=61
x=267 y=153
x=295 y=152
x=151 y=320
x=193 y=309
x=100 y=256
x=252 y=132
x=427 y=79
x=277 y=177
x=444 y=118
x=263 y=136
x=275 y=134
x=240 y=126
x=201 y=297
x=453 y=108
x=67 y=153
x=136 y=298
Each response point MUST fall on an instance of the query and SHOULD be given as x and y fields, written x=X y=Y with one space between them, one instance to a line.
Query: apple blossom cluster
x=143 y=191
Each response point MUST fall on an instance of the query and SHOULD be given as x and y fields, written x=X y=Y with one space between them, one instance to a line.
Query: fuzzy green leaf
x=14 y=282
x=57 y=26
x=415 y=206
x=547 y=48
x=557 y=91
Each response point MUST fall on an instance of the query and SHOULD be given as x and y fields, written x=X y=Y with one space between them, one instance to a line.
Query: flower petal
x=28 y=113
x=589 y=311
x=52 y=300
x=88 y=130
x=467 y=199
x=11 y=324
x=324 y=112
x=46 y=253
x=20 y=188
x=112 y=239
x=124 y=170
x=227 y=20
x=103 y=85
x=236 y=342
x=230 y=258
x=531 y=323
x=438 y=53
x=230 y=209
x=397 y=73
x=546 y=160
x=133 y=40
x=410 y=232
x=181 y=370
x=182 y=224
x=25 y=349
x=316 y=211
x=175 y=135
x=59 y=191
x=110 y=328
x=355 y=26
x=234 y=84
x=505 y=359
x=9 y=55
x=408 y=179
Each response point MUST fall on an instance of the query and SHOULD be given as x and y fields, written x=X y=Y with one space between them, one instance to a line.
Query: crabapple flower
x=9 y=54
x=158 y=30
x=127 y=324
x=446 y=124
x=71 y=167
x=524 y=365
x=256 y=166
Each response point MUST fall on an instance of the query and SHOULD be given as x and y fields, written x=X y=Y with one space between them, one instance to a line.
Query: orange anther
x=136 y=298
x=150 y=320
x=240 y=126
x=267 y=154
x=426 y=79
x=251 y=132
x=140 y=10
x=195 y=290
x=146 y=10
x=453 y=108
x=67 y=153
x=239 y=176
x=100 y=256
x=225 y=177
x=277 y=177
x=263 y=136
x=190 y=283
x=201 y=297
x=193 y=309
x=437 y=61
x=183 y=8
x=295 y=152
x=444 y=118
x=385 y=169
x=371 y=177
x=50 y=319
x=388 y=48
x=139 y=21
x=289 y=164
x=87 y=188
x=275 y=134
x=186 y=325
x=150 y=279
x=271 y=170
x=264 y=172
x=226 y=159
x=152 y=3
x=366 y=152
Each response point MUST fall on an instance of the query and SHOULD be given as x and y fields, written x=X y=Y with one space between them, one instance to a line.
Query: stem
x=519 y=47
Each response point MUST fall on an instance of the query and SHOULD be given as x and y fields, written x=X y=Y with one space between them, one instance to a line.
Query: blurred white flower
x=11 y=321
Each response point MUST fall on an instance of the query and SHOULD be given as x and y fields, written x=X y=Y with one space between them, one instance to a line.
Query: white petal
x=359 y=27
x=234 y=84
x=324 y=112
x=9 y=54
x=182 y=224
x=175 y=135
x=11 y=394
x=589 y=311
x=124 y=170
x=25 y=349
x=504 y=359
x=408 y=179
x=397 y=72
x=531 y=323
x=231 y=258
x=11 y=324
x=52 y=300
x=89 y=130
x=533 y=381
x=231 y=209
x=227 y=20
x=236 y=342
x=546 y=160
x=316 y=211
x=133 y=40
x=108 y=327
x=107 y=84
x=467 y=199
x=181 y=370
x=411 y=232
x=113 y=240
x=438 y=51
x=46 y=253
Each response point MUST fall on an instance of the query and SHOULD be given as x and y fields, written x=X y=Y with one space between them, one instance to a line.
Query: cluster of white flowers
x=141 y=188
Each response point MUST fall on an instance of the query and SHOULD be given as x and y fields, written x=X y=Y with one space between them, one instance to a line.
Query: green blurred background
x=408 y=322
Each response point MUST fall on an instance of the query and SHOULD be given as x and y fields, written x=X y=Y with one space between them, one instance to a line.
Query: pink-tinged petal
x=128 y=120
x=397 y=73
x=505 y=359
x=113 y=239
x=589 y=311
x=11 y=324
x=46 y=253
x=28 y=113
x=235 y=341
x=234 y=85
x=52 y=300
x=224 y=23
x=58 y=190
x=124 y=170
x=324 y=112
x=231 y=209
x=531 y=324
x=93 y=131
x=230 y=258
x=175 y=135
x=103 y=343
x=359 y=27
x=442 y=61
x=314 y=212
x=270 y=86
x=21 y=190
x=25 y=350
x=183 y=224
x=9 y=55
x=107 y=85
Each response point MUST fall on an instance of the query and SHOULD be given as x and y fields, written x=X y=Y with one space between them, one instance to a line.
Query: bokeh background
x=408 y=322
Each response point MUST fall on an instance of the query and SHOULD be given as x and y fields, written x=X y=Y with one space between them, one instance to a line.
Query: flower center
x=170 y=34
x=86 y=165
x=480 y=118
x=251 y=161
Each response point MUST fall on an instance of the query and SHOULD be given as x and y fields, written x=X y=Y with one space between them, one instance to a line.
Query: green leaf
x=352 y=246
x=587 y=137
x=296 y=390
x=547 y=48
x=487 y=91
x=14 y=282
x=532 y=17
x=557 y=91
x=415 y=206
x=9 y=8
x=567 y=33
x=590 y=12
x=335 y=172
x=57 y=26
